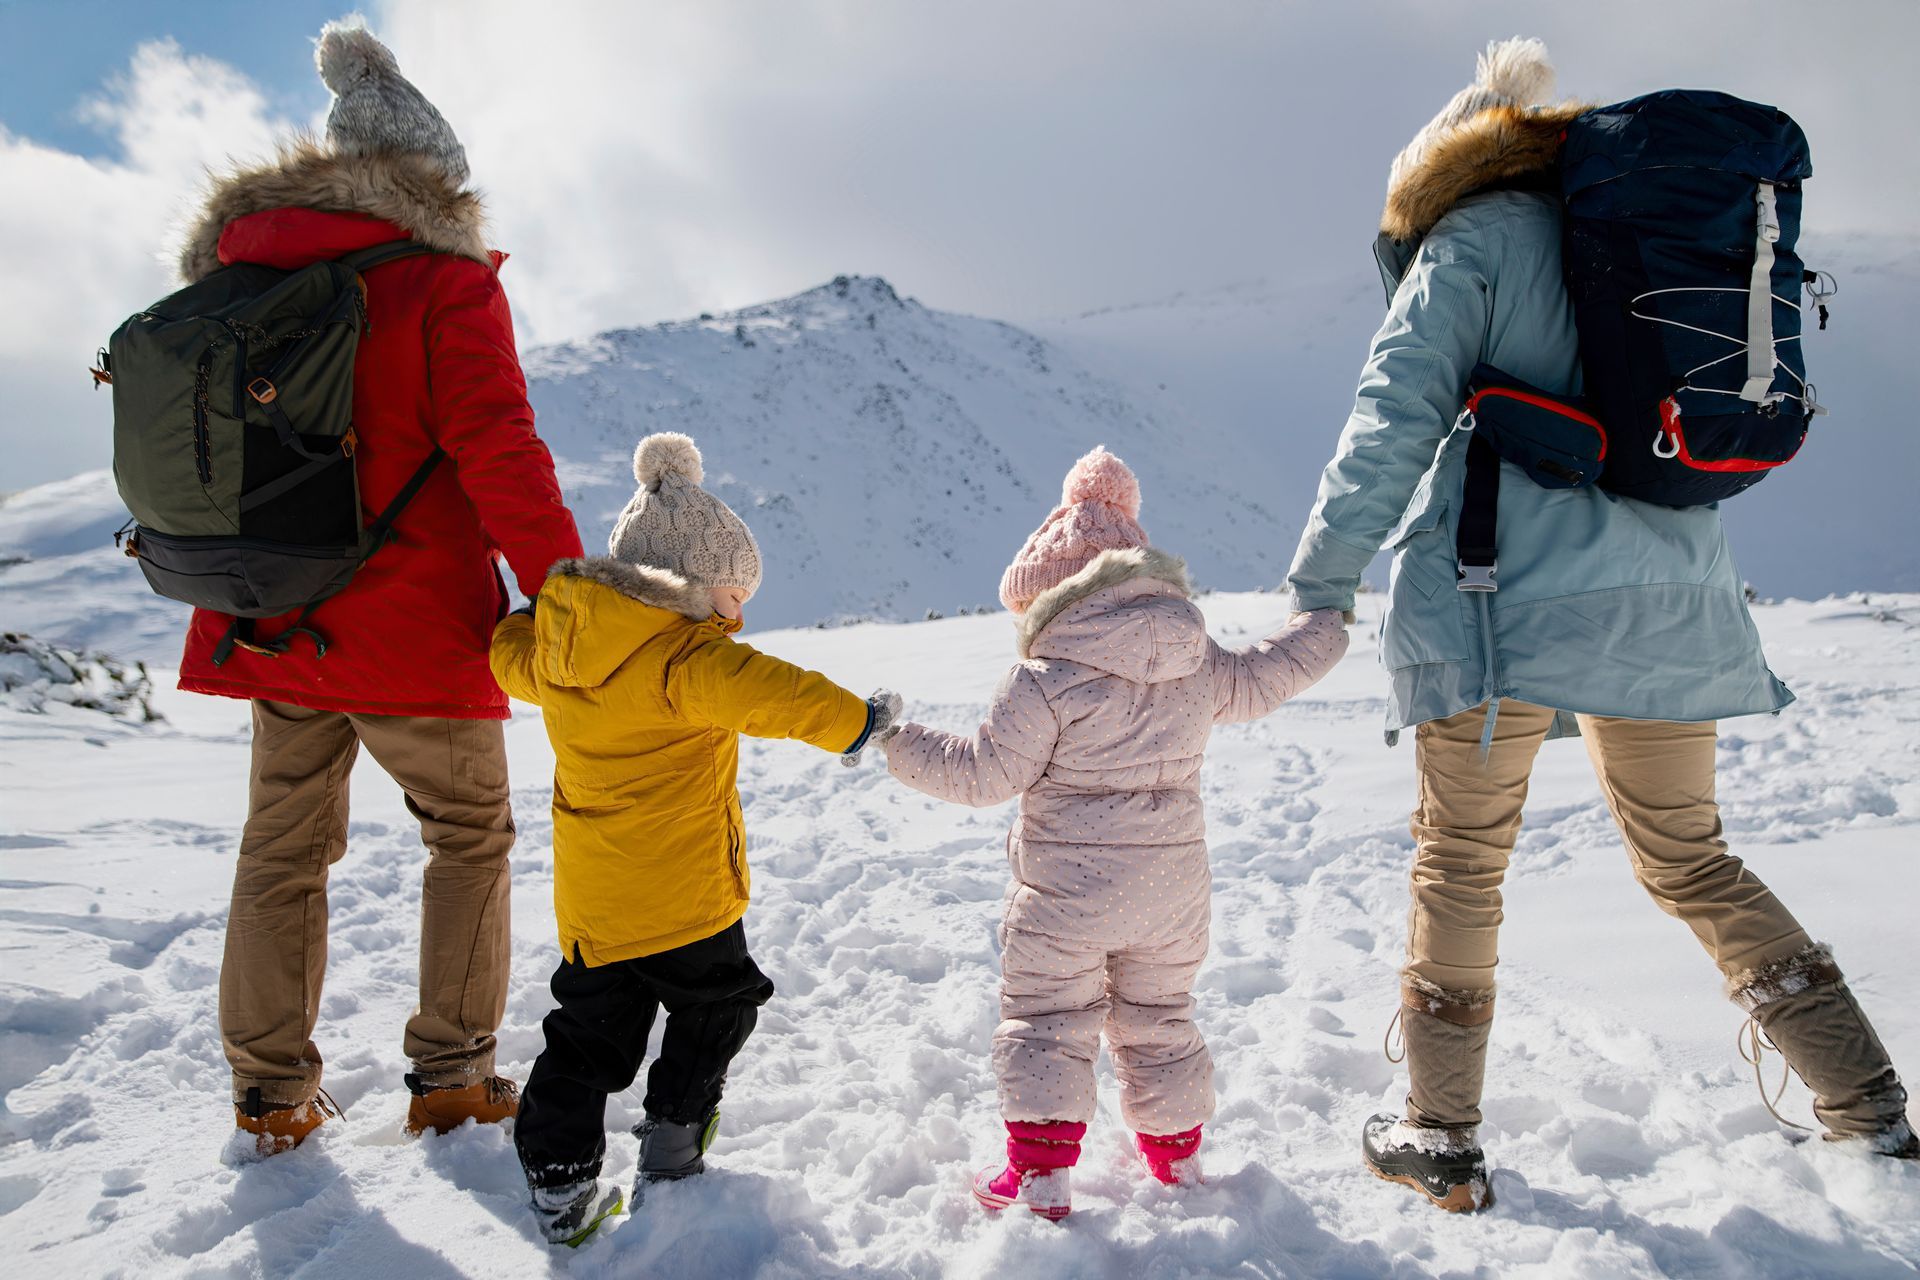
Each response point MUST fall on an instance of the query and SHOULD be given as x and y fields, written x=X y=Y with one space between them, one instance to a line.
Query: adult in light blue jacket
x=1623 y=618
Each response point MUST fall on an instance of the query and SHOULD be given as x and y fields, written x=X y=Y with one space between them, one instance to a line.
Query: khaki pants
x=454 y=773
x=1658 y=778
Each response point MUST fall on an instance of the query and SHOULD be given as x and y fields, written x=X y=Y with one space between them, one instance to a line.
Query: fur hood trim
x=410 y=191
x=1496 y=147
x=657 y=587
x=1810 y=966
x=1108 y=569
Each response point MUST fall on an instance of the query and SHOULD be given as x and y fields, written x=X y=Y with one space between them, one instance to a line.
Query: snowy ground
x=1628 y=1137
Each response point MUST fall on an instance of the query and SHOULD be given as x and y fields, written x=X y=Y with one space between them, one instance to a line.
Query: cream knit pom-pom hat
x=673 y=524
x=1099 y=511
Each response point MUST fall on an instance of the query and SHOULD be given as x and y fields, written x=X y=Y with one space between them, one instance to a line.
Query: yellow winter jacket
x=644 y=693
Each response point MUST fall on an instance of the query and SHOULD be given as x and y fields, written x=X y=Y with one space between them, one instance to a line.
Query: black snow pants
x=597 y=1039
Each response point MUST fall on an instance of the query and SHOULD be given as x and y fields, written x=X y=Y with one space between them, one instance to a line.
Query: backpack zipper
x=202 y=443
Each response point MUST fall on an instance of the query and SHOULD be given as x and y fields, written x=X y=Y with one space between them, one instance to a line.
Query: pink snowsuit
x=1100 y=731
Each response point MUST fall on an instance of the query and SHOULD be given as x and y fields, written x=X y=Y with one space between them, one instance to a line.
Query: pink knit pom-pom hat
x=1099 y=511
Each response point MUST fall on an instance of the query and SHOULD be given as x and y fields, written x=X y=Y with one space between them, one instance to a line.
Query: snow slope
x=1272 y=364
x=1629 y=1139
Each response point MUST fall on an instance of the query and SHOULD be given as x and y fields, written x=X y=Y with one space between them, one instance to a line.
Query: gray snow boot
x=568 y=1215
x=669 y=1150
x=1801 y=1005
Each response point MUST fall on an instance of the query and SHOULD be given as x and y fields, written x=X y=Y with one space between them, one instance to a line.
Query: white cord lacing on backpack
x=1760 y=346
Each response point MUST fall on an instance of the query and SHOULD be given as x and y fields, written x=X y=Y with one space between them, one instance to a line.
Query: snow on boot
x=669 y=1150
x=568 y=1215
x=1173 y=1159
x=278 y=1127
x=1038 y=1157
x=1444 y=1165
x=1801 y=1005
x=1045 y=1191
x=443 y=1108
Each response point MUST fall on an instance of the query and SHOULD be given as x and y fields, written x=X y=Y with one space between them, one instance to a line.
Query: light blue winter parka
x=1605 y=605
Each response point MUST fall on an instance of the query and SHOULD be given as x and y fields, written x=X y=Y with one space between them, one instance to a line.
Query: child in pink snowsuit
x=1100 y=729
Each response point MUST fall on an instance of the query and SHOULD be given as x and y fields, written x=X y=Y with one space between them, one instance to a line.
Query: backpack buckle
x=263 y=391
x=1478 y=577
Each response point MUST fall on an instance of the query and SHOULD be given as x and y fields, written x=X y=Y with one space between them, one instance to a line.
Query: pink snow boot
x=1171 y=1159
x=1038 y=1157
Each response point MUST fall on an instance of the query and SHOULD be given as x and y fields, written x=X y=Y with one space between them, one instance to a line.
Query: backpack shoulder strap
x=363 y=260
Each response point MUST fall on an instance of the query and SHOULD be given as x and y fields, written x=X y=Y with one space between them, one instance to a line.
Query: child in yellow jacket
x=644 y=691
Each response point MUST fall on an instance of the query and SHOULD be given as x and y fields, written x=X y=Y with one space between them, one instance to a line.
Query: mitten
x=884 y=708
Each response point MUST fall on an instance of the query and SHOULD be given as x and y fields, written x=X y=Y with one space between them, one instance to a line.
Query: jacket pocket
x=1426 y=619
x=736 y=853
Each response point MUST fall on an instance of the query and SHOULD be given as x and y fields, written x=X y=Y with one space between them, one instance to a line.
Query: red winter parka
x=436 y=367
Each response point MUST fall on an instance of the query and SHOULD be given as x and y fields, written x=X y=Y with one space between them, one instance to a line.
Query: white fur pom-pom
x=667 y=454
x=1101 y=477
x=1517 y=70
x=348 y=53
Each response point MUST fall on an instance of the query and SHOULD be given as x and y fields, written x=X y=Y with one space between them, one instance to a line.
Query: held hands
x=885 y=707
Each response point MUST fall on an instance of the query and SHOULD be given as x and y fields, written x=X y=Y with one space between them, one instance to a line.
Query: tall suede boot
x=1803 y=1006
x=1435 y=1149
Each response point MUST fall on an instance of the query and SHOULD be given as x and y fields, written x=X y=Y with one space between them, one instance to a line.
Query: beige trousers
x=1658 y=779
x=454 y=774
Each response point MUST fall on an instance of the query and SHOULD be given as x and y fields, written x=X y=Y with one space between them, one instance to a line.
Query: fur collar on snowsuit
x=1108 y=569
x=658 y=587
x=409 y=191
x=1498 y=147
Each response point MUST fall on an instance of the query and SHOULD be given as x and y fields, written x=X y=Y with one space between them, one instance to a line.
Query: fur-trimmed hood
x=1127 y=613
x=1498 y=147
x=409 y=191
x=658 y=587
x=587 y=630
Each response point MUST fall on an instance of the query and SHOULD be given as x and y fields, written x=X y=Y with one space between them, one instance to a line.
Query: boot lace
x=323 y=1101
x=1386 y=1044
x=1754 y=1043
x=501 y=1090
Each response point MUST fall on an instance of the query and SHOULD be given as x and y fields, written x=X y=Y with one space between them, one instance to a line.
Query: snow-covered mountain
x=1271 y=364
x=890 y=459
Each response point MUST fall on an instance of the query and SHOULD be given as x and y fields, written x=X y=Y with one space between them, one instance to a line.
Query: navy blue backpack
x=1682 y=209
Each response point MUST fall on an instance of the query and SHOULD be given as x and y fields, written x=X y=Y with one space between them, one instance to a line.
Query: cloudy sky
x=1011 y=158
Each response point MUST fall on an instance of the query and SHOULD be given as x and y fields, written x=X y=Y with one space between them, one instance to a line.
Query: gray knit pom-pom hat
x=674 y=524
x=376 y=110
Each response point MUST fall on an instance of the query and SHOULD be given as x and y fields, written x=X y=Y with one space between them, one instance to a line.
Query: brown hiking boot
x=443 y=1107
x=277 y=1128
x=1801 y=1006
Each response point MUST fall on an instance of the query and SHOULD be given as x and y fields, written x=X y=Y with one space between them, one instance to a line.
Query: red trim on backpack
x=1670 y=421
x=1542 y=402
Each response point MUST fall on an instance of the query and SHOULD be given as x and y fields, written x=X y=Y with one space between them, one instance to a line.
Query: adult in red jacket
x=405 y=671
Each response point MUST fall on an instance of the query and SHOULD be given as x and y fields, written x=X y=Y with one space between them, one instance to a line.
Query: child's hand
x=885 y=707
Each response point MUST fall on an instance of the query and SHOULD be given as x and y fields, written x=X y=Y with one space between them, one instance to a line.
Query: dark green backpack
x=233 y=442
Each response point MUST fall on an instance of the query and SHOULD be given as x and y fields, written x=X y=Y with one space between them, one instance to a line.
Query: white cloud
x=87 y=241
x=1019 y=160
